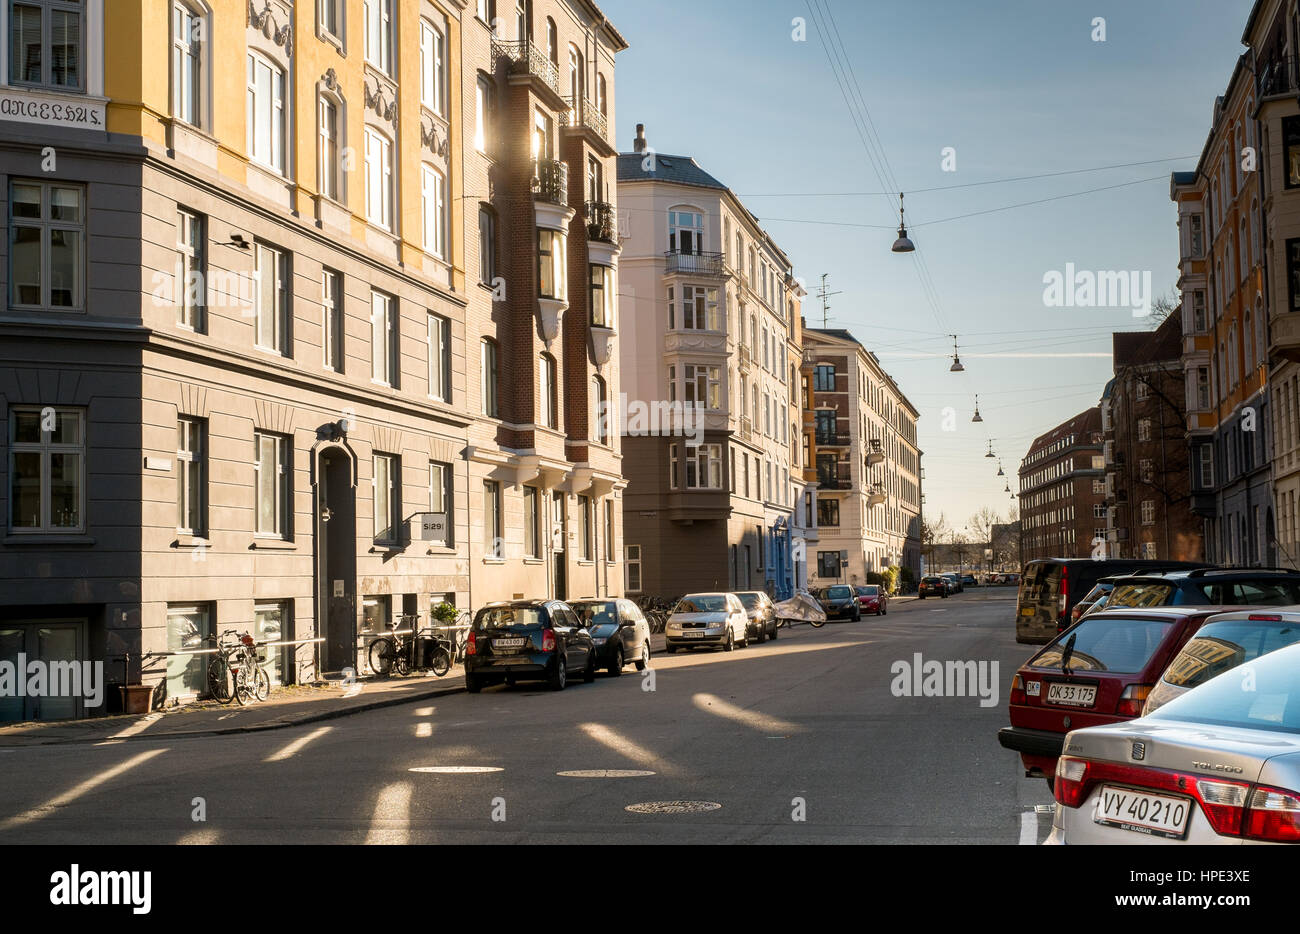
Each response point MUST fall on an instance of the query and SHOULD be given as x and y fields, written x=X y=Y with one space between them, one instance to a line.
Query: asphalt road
x=797 y=741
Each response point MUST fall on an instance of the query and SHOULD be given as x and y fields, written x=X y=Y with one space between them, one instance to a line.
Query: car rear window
x=1222 y=646
x=1249 y=593
x=1274 y=704
x=1140 y=594
x=499 y=617
x=869 y=591
x=838 y=593
x=1040 y=583
x=702 y=603
x=596 y=613
x=1118 y=644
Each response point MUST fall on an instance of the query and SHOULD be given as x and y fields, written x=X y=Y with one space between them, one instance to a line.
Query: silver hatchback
x=713 y=619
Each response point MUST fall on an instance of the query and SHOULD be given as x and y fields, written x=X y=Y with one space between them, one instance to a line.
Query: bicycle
x=220 y=675
x=251 y=682
x=393 y=650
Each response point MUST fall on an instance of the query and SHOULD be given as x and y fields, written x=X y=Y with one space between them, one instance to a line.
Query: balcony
x=743 y=354
x=875 y=452
x=551 y=182
x=585 y=119
x=602 y=222
x=1277 y=77
x=530 y=63
x=836 y=481
x=694 y=264
x=833 y=439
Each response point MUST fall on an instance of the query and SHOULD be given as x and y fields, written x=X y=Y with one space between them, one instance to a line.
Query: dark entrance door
x=337 y=560
x=560 y=533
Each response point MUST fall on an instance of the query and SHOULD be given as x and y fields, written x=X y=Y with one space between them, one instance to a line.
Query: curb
x=252 y=728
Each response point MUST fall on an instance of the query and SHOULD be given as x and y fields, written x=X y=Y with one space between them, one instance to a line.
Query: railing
x=551 y=181
x=602 y=223
x=585 y=113
x=833 y=482
x=833 y=439
x=1278 y=76
x=702 y=264
x=527 y=59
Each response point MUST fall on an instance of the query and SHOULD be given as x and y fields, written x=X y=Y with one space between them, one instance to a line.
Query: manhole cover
x=455 y=769
x=672 y=807
x=604 y=773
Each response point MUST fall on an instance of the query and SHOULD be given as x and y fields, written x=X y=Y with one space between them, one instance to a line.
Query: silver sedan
x=714 y=619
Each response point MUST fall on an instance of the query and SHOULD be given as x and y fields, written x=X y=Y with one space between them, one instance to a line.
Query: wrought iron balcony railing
x=585 y=113
x=700 y=264
x=1278 y=76
x=551 y=181
x=527 y=59
x=602 y=223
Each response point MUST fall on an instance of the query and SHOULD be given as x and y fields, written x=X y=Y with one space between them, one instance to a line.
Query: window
x=191 y=477
x=532 y=523
x=432 y=57
x=551 y=265
x=828 y=511
x=824 y=378
x=188 y=628
x=47 y=227
x=377 y=21
x=189 y=268
x=1141 y=391
x=1291 y=144
x=272 y=490
x=487 y=377
x=187 y=47
x=266 y=112
x=1099 y=510
x=602 y=95
x=383 y=339
x=1144 y=429
x=486 y=10
x=703 y=467
x=1146 y=469
x=331 y=19
x=433 y=191
x=270 y=625
x=1198 y=310
x=46 y=44
x=826 y=426
x=602 y=296
x=442 y=498
x=828 y=564
x=552 y=43
x=1205 y=467
x=1202 y=387
x=701 y=385
x=632 y=562
x=439 y=338
x=699 y=308
x=577 y=89
x=609 y=530
x=487 y=245
x=493 y=545
x=386 y=486
x=546 y=391
x=332 y=319
x=600 y=410
x=484 y=114
x=685 y=232
x=1197 y=235
x=1148 y=512
x=584 y=528
x=329 y=166
x=271 y=278
x=1293 y=272
x=543 y=135
x=47 y=470
x=379 y=179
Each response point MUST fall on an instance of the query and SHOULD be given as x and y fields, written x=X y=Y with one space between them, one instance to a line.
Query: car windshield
x=702 y=603
x=499 y=617
x=1273 y=704
x=869 y=591
x=837 y=593
x=1221 y=646
x=1106 y=643
x=1140 y=594
x=751 y=601
x=1259 y=592
x=596 y=613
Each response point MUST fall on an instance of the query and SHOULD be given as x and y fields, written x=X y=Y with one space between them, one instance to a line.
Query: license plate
x=508 y=643
x=1072 y=695
x=1027 y=611
x=1140 y=812
x=693 y=634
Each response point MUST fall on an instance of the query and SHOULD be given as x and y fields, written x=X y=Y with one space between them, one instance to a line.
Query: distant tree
x=1162 y=306
x=933 y=531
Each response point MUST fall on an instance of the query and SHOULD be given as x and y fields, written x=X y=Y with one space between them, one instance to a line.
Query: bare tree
x=933 y=531
x=1164 y=305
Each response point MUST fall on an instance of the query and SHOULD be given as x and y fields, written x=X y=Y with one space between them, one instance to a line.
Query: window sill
x=187 y=540
x=273 y=544
x=444 y=550
x=494 y=560
x=48 y=538
x=386 y=548
x=534 y=561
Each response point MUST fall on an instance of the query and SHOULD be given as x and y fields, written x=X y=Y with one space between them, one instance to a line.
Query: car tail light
x=1017 y=690
x=548 y=640
x=1132 y=700
x=471 y=645
x=1272 y=814
x=1063 y=591
x=1266 y=617
x=1070 y=786
x=1222 y=803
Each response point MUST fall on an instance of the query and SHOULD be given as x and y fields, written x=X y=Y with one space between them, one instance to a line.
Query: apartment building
x=860 y=434
x=253 y=372
x=710 y=363
x=1143 y=421
x=1063 y=490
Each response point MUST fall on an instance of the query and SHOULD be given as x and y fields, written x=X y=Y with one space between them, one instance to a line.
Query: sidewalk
x=287 y=706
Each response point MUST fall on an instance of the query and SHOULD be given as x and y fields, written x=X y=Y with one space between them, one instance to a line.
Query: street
x=797 y=741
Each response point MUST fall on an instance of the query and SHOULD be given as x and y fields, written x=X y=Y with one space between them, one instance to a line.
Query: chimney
x=639 y=145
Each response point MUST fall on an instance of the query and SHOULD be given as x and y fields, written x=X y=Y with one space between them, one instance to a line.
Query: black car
x=932 y=586
x=968 y=580
x=761 y=616
x=528 y=640
x=840 y=602
x=1208 y=587
x=618 y=630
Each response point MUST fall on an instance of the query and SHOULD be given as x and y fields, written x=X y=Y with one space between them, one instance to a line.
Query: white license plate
x=507 y=643
x=1141 y=812
x=693 y=634
x=1072 y=695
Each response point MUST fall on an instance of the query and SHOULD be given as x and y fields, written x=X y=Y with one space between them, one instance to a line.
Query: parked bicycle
x=656 y=611
x=236 y=672
x=220 y=681
x=393 y=651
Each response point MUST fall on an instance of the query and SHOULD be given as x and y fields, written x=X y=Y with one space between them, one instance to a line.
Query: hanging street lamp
x=904 y=243
x=956 y=360
x=978 y=417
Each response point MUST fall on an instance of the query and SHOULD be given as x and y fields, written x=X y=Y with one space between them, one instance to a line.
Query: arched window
x=600 y=409
x=552 y=43
x=546 y=392
x=602 y=95
x=330 y=141
x=577 y=82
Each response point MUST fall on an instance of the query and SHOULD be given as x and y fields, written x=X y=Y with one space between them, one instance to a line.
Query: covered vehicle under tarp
x=803 y=607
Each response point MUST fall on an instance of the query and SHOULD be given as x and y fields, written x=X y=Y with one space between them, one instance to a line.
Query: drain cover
x=604 y=773
x=672 y=807
x=455 y=769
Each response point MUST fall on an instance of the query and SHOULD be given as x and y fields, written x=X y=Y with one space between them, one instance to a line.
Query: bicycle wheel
x=441 y=659
x=219 y=681
x=382 y=655
x=243 y=688
x=261 y=684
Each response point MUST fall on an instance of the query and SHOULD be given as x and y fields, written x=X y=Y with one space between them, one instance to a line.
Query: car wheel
x=762 y=634
x=473 y=683
x=589 y=673
x=945 y=596
x=730 y=644
x=510 y=681
x=884 y=611
x=615 y=666
x=643 y=662
x=669 y=648
x=560 y=676
x=775 y=627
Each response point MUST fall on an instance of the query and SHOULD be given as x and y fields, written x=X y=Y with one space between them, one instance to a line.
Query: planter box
x=137 y=698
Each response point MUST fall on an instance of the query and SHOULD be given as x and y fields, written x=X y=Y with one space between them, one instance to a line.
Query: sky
x=1015 y=89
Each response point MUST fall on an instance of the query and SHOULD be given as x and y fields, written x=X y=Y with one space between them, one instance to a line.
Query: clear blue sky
x=1017 y=88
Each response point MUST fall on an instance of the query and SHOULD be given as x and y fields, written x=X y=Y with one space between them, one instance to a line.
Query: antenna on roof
x=824 y=294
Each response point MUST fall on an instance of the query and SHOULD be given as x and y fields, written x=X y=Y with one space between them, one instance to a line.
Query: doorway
x=47 y=642
x=336 y=558
x=559 y=536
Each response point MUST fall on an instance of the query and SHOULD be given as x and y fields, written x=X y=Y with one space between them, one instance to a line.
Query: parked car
x=968 y=580
x=1216 y=765
x=872 y=599
x=619 y=632
x=954 y=582
x=1223 y=643
x=840 y=602
x=1094 y=600
x=1098 y=671
x=761 y=616
x=932 y=587
x=1209 y=587
x=714 y=619
x=1050 y=587
x=527 y=640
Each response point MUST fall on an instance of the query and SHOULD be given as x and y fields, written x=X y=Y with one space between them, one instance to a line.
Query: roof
x=1136 y=348
x=1087 y=421
x=681 y=170
x=844 y=334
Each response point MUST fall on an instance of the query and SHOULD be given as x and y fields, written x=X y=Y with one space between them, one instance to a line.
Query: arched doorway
x=336 y=555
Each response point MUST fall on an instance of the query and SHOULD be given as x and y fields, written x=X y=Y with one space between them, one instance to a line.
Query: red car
x=1100 y=670
x=872 y=599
